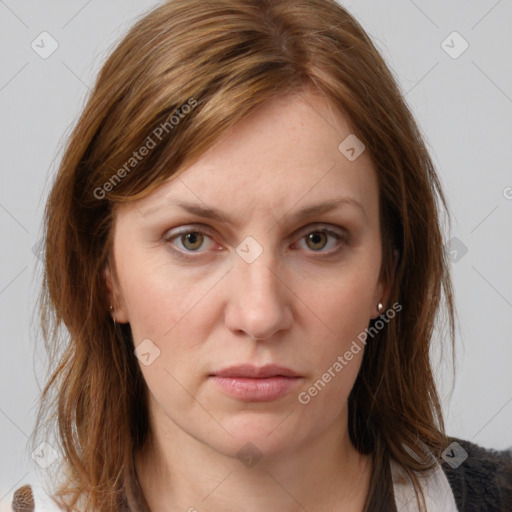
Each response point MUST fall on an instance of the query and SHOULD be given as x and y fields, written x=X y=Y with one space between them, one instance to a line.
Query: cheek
x=345 y=302
x=178 y=320
x=334 y=366
x=156 y=296
x=153 y=308
x=336 y=345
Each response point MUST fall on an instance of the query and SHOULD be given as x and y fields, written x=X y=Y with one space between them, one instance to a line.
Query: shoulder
x=480 y=478
x=29 y=498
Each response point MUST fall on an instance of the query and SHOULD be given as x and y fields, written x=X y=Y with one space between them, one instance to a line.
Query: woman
x=243 y=243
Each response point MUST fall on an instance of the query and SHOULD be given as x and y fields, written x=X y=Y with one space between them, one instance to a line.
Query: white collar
x=436 y=489
x=42 y=500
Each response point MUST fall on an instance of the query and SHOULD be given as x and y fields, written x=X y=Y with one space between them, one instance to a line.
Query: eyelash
x=180 y=253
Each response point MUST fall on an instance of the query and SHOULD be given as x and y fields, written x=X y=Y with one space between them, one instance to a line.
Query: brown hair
x=224 y=58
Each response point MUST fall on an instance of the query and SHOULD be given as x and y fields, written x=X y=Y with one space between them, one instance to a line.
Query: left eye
x=318 y=239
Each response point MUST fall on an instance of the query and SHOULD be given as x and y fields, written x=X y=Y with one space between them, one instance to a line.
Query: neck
x=177 y=472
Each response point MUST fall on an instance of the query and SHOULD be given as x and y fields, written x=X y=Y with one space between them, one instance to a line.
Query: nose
x=259 y=301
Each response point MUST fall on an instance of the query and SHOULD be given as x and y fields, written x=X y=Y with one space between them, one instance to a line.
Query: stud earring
x=380 y=307
x=111 y=310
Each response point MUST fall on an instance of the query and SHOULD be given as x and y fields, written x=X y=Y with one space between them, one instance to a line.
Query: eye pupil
x=314 y=237
x=193 y=239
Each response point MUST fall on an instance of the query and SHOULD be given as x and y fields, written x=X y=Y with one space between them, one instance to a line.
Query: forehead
x=284 y=156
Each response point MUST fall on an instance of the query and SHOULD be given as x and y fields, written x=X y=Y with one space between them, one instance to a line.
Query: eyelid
x=204 y=228
x=322 y=226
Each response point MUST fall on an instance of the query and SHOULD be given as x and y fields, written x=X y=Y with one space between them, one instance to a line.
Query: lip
x=256 y=384
x=254 y=372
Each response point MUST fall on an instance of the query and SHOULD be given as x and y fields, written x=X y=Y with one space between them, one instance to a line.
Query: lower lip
x=256 y=390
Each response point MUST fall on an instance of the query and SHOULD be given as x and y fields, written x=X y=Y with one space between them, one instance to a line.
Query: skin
x=295 y=305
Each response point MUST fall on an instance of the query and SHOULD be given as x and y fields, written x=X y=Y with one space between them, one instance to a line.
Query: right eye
x=188 y=241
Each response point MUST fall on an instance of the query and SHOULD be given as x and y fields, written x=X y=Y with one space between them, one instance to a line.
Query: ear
x=114 y=296
x=383 y=289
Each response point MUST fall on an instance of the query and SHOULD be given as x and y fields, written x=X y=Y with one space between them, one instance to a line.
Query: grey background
x=463 y=106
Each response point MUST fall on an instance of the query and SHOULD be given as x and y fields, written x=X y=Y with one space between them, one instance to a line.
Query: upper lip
x=255 y=372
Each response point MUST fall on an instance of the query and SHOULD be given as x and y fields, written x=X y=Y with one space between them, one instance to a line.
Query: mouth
x=256 y=384
x=254 y=372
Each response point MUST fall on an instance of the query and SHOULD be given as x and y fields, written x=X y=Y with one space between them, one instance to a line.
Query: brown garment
x=23 y=500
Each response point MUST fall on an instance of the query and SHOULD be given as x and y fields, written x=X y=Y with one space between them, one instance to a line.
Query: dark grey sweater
x=483 y=482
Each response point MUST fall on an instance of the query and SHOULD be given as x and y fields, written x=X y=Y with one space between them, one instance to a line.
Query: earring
x=380 y=307
x=111 y=310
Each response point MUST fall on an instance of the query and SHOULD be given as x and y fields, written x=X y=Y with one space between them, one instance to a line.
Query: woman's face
x=270 y=284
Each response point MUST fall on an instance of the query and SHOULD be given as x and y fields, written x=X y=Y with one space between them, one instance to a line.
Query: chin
x=266 y=434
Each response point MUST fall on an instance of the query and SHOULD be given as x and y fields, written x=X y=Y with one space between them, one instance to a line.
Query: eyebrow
x=300 y=215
